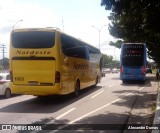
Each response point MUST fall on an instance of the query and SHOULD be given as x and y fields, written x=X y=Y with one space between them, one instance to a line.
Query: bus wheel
x=77 y=88
x=96 y=82
x=124 y=81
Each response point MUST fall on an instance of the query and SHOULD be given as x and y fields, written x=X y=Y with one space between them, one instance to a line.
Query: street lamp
x=99 y=30
x=16 y=23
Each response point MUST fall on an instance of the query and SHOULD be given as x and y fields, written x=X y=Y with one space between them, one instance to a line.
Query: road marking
x=111 y=85
x=102 y=107
x=97 y=94
x=57 y=118
x=60 y=128
x=94 y=111
x=62 y=115
x=98 y=109
x=141 y=88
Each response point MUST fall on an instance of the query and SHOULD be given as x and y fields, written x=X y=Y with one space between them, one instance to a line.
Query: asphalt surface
x=140 y=113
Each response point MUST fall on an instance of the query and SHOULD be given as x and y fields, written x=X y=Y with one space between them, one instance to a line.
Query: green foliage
x=107 y=58
x=136 y=21
x=116 y=44
x=1 y=68
x=108 y=62
x=4 y=63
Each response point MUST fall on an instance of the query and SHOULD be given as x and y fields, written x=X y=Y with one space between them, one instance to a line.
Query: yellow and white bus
x=46 y=61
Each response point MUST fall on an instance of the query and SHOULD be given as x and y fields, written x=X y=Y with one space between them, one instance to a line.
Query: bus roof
x=52 y=29
x=86 y=44
x=36 y=29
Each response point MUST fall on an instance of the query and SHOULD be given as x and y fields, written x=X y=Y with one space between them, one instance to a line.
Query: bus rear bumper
x=35 y=90
x=133 y=77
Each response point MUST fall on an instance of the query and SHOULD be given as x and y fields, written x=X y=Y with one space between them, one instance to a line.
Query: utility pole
x=114 y=54
x=62 y=23
x=3 y=51
x=16 y=23
x=99 y=31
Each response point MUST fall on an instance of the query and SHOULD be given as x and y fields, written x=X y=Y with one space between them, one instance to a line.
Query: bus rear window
x=133 y=55
x=33 y=39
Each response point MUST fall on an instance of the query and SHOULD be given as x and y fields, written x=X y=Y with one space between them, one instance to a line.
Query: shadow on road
x=13 y=95
x=48 y=104
x=108 y=122
x=138 y=99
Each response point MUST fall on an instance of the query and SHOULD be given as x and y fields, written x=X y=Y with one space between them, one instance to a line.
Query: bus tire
x=96 y=81
x=77 y=88
x=124 y=81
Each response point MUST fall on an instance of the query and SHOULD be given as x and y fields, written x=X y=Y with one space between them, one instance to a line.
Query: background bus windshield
x=33 y=39
x=133 y=55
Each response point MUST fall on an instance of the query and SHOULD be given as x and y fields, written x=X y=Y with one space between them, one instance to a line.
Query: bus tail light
x=11 y=76
x=121 y=69
x=143 y=70
x=57 y=77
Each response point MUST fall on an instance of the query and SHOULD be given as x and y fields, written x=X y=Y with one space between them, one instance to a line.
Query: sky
x=79 y=18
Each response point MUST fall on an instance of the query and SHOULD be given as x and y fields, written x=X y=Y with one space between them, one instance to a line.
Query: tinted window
x=93 y=54
x=77 y=52
x=33 y=39
x=133 y=55
x=73 y=47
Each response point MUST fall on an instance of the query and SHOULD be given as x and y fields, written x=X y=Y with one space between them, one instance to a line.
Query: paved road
x=110 y=102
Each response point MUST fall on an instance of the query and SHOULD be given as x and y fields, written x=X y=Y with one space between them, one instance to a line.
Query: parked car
x=158 y=73
x=149 y=70
x=103 y=72
x=114 y=70
x=4 y=85
x=106 y=70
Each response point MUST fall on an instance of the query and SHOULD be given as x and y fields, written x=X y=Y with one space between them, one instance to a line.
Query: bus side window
x=73 y=48
x=77 y=52
x=93 y=55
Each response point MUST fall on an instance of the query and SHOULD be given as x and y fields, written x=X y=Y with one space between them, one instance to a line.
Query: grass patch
x=154 y=71
x=153 y=108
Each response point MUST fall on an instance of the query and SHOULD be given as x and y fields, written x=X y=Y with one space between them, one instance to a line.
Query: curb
x=157 y=113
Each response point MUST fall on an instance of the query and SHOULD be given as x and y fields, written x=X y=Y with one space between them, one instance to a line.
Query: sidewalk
x=144 y=112
x=157 y=113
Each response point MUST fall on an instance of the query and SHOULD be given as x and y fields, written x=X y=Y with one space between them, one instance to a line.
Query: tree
x=116 y=44
x=108 y=61
x=136 y=21
x=4 y=63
